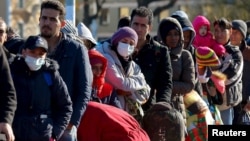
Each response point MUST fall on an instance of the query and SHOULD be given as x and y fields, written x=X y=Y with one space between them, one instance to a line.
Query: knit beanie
x=205 y=56
x=69 y=28
x=85 y=33
x=241 y=26
x=124 y=32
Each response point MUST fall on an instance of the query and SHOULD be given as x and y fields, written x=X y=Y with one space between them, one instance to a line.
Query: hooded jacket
x=98 y=81
x=132 y=80
x=182 y=64
x=85 y=33
x=101 y=89
x=187 y=26
x=36 y=97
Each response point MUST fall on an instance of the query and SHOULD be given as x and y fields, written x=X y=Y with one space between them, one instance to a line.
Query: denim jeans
x=227 y=116
x=69 y=135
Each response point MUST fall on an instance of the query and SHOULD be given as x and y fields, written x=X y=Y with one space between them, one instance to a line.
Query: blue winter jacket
x=75 y=69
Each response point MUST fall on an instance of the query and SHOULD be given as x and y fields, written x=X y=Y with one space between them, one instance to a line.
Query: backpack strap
x=47 y=77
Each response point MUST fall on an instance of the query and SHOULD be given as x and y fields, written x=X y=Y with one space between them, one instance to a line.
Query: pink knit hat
x=205 y=56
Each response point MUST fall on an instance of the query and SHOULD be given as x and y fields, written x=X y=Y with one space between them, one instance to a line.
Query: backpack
x=162 y=122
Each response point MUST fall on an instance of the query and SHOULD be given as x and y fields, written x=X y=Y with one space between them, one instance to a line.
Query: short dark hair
x=124 y=21
x=143 y=12
x=223 y=23
x=56 y=5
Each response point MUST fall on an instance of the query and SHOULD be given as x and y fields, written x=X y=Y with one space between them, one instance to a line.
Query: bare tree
x=87 y=16
x=158 y=10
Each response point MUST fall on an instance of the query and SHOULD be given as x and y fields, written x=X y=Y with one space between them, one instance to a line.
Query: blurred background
x=102 y=16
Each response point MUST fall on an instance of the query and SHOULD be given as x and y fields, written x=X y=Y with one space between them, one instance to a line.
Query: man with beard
x=72 y=58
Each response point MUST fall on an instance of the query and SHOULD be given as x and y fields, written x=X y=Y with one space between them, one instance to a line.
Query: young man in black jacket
x=152 y=57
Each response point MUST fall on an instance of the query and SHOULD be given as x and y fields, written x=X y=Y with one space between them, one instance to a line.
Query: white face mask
x=125 y=49
x=34 y=63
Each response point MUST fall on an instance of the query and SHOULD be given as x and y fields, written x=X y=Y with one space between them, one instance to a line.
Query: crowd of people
x=63 y=85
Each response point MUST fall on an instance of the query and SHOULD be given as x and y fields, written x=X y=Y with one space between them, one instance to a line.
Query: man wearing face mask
x=123 y=73
x=44 y=105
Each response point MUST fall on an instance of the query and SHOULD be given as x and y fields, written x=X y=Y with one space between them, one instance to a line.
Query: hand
x=247 y=106
x=7 y=130
x=201 y=70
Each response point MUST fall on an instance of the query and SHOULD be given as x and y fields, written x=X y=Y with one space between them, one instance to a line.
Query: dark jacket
x=245 y=49
x=232 y=67
x=7 y=91
x=75 y=70
x=187 y=26
x=154 y=61
x=38 y=97
x=182 y=66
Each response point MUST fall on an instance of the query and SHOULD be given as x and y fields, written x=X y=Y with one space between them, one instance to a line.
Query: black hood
x=165 y=23
x=186 y=26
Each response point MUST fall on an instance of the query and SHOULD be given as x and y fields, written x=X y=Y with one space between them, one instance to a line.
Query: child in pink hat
x=204 y=37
